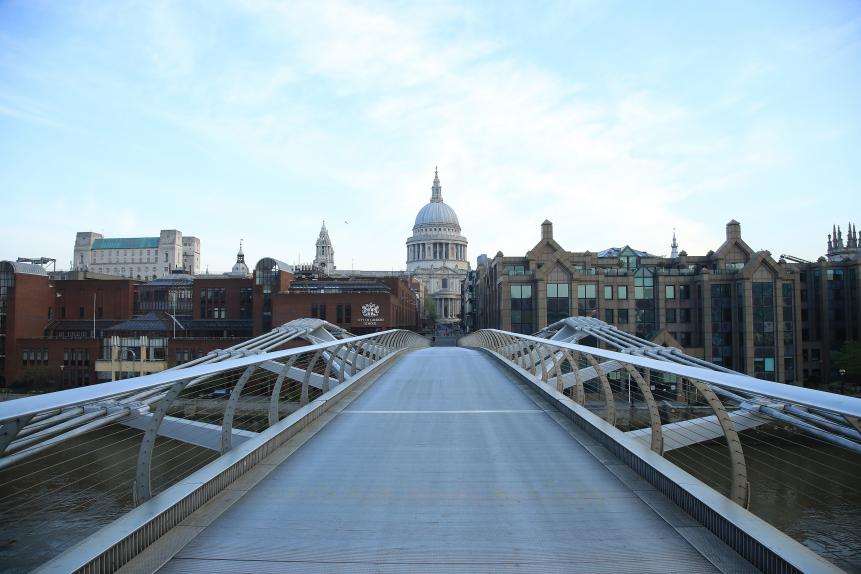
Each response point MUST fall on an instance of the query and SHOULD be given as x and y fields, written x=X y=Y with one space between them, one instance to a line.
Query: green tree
x=430 y=310
x=848 y=360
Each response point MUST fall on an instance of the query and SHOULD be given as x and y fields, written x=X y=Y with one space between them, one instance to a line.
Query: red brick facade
x=50 y=322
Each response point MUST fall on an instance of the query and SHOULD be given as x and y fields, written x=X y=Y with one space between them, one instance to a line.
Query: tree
x=848 y=360
x=430 y=310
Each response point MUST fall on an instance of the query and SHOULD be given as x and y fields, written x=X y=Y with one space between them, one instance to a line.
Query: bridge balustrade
x=776 y=449
x=116 y=445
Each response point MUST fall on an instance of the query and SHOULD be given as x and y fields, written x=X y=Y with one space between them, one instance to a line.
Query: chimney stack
x=546 y=230
x=733 y=230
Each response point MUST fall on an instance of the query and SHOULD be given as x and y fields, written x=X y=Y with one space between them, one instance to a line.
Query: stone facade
x=137 y=257
x=437 y=255
x=733 y=306
x=324 y=258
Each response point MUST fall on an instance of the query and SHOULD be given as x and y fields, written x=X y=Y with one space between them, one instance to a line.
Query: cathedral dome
x=436 y=212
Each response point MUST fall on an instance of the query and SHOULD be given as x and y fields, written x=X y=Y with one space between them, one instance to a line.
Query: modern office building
x=437 y=255
x=140 y=258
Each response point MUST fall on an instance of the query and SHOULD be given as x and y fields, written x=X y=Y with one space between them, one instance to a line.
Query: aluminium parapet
x=763 y=545
x=116 y=544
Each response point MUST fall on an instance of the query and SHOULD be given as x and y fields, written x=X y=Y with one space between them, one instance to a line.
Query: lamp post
x=127 y=350
x=173 y=316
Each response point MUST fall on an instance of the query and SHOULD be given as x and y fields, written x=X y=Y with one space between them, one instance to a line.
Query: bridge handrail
x=838 y=404
x=12 y=410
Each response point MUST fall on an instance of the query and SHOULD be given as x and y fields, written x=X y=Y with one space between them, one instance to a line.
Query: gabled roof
x=729 y=243
x=152 y=321
x=617 y=252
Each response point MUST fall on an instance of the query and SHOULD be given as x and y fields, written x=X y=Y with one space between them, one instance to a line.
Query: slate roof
x=126 y=243
x=28 y=268
x=152 y=321
x=616 y=251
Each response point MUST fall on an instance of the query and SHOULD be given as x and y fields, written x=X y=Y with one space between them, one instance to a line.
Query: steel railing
x=127 y=440
x=775 y=437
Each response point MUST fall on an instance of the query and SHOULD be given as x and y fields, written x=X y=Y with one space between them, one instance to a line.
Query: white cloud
x=340 y=111
x=515 y=143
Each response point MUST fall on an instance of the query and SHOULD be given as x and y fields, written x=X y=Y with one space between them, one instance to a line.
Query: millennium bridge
x=310 y=449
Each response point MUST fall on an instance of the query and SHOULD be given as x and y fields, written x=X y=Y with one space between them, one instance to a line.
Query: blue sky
x=257 y=120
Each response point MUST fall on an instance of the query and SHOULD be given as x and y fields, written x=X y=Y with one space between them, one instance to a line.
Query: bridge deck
x=445 y=464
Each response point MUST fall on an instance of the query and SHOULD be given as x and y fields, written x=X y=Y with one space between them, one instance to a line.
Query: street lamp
x=173 y=316
x=124 y=350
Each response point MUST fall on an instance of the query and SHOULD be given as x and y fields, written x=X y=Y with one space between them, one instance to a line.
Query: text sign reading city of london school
x=371 y=314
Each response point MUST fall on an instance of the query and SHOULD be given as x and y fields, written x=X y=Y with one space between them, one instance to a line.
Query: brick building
x=359 y=305
x=51 y=325
x=733 y=306
x=75 y=328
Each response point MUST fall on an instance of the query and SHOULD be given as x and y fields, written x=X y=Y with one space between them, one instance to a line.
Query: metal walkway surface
x=447 y=463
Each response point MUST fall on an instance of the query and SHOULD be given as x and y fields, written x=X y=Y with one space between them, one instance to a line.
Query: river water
x=809 y=490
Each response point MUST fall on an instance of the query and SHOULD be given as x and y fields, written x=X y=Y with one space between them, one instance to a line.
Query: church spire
x=674 y=254
x=240 y=269
x=436 y=190
x=324 y=259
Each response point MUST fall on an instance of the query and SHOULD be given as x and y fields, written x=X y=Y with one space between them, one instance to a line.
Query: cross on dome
x=436 y=190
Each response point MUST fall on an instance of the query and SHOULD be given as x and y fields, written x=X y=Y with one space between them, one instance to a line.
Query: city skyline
x=260 y=120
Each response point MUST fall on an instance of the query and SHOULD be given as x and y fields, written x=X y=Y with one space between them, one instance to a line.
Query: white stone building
x=137 y=257
x=324 y=259
x=437 y=256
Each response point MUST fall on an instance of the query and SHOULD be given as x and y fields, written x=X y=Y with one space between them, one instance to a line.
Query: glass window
x=521 y=308
x=684 y=291
x=586 y=291
x=608 y=292
x=622 y=292
x=669 y=291
x=671 y=315
x=521 y=291
x=586 y=299
x=557 y=302
x=608 y=316
x=623 y=316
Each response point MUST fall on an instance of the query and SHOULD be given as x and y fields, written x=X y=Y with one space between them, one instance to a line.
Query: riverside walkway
x=449 y=463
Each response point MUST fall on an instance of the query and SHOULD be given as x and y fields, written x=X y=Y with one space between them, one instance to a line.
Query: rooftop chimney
x=546 y=230
x=733 y=230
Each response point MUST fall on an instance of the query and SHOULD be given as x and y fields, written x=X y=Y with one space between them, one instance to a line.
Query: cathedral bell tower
x=324 y=260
